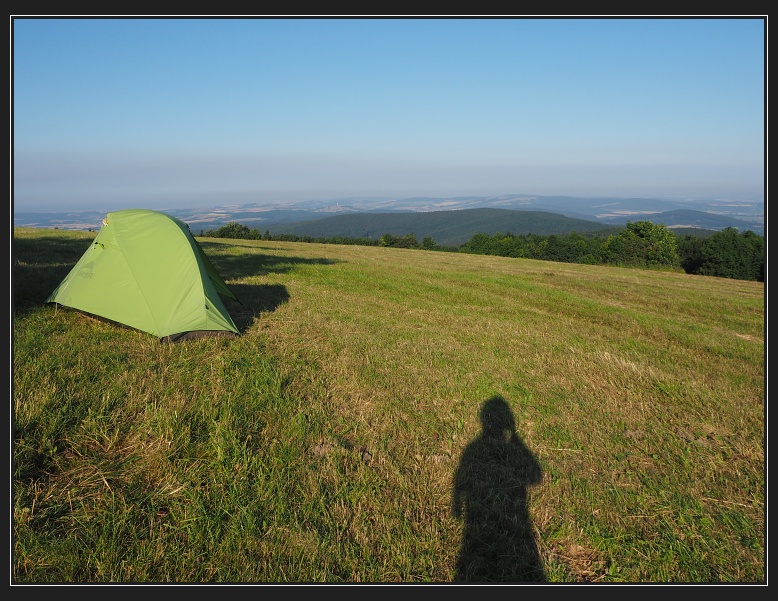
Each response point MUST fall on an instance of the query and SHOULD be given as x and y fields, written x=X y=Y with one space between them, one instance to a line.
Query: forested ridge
x=728 y=253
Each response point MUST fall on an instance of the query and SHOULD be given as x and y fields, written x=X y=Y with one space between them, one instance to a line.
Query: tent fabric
x=145 y=270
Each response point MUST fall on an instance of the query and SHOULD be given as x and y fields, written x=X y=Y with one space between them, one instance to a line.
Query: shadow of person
x=490 y=495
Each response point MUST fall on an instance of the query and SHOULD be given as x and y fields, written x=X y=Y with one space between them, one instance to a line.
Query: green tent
x=145 y=270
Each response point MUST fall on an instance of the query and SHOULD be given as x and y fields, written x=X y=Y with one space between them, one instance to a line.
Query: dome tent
x=144 y=269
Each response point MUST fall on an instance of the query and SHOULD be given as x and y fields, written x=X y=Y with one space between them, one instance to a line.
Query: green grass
x=342 y=437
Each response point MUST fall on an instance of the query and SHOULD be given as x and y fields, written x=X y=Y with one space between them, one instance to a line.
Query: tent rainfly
x=145 y=270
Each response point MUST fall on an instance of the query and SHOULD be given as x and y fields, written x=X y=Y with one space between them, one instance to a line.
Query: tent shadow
x=253 y=300
x=490 y=494
x=40 y=263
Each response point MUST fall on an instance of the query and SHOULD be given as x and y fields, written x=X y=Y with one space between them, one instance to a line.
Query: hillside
x=448 y=228
x=383 y=412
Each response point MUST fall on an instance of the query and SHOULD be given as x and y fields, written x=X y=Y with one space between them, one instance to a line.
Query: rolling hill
x=448 y=228
x=686 y=218
x=450 y=220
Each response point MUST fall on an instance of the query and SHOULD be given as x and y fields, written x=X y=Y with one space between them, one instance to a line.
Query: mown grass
x=393 y=415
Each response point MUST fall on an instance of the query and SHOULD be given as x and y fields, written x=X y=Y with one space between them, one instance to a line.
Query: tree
x=407 y=241
x=690 y=251
x=728 y=254
x=479 y=244
x=233 y=230
x=643 y=244
x=388 y=240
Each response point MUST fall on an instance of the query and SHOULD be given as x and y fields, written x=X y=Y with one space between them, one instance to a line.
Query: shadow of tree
x=490 y=494
x=39 y=265
x=254 y=264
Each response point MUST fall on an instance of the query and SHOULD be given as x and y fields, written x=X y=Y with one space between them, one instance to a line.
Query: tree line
x=727 y=253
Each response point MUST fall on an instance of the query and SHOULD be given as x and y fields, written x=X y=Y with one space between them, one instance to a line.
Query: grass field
x=393 y=416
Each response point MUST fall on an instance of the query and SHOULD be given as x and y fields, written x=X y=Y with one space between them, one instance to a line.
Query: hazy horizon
x=188 y=112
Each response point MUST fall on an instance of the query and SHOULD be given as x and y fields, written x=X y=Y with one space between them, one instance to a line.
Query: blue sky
x=185 y=113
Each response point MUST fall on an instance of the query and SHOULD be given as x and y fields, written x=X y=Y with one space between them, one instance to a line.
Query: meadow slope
x=393 y=415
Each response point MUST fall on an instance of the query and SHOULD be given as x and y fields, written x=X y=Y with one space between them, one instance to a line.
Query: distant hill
x=448 y=228
x=686 y=218
x=413 y=215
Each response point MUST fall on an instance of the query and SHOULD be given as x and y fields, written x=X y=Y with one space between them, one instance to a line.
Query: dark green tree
x=232 y=230
x=388 y=240
x=690 y=252
x=729 y=254
x=407 y=241
x=479 y=244
x=643 y=244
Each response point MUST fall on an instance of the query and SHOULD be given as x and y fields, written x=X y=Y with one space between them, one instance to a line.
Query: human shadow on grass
x=490 y=495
